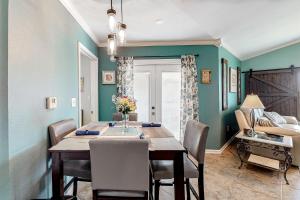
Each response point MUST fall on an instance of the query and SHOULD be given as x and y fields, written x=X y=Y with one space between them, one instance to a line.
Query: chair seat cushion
x=77 y=168
x=121 y=193
x=163 y=169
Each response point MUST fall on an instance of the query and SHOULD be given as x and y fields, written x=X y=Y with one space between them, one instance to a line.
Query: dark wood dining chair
x=120 y=168
x=194 y=143
x=80 y=170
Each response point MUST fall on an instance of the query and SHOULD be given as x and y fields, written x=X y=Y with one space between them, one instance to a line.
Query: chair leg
x=188 y=192
x=201 y=182
x=157 y=185
x=94 y=194
x=75 y=186
x=146 y=195
x=150 y=185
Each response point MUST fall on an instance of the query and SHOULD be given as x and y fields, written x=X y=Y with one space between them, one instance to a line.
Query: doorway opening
x=88 y=86
x=157 y=89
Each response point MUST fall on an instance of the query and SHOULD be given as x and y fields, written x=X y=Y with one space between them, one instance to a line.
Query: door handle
x=153 y=113
x=153 y=107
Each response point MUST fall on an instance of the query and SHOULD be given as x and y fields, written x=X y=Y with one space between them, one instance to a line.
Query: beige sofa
x=292 y=128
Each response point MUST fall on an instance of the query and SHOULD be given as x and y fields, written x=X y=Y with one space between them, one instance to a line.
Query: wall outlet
x=51 y=102
x=73 y=102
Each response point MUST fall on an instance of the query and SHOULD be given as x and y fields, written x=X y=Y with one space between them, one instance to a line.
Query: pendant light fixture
x=111 y=13
x=117 y=35
x=122 y=28
x=111 y=44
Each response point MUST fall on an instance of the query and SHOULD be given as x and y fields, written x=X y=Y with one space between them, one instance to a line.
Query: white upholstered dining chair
x=194 y=143
x=120 y=168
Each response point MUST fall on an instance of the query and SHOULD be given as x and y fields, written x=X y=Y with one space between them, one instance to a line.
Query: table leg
x=240 y=150
x=287 y=164
x=179 y=176
x=57 y=177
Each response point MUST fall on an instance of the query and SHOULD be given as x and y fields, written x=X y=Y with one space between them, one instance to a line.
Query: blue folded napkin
x=151 y=125
x=111 y=124
x=86 y=132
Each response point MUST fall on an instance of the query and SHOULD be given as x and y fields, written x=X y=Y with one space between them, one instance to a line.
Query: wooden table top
x=160 y=139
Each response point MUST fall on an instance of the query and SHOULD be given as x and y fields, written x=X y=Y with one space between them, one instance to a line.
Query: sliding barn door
x=278 y=89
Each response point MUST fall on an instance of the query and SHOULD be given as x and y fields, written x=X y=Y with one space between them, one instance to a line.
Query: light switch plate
x=73 y=102
x=51 y=102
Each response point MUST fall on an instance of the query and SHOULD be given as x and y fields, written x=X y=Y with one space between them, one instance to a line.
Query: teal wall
x=209 y=95
x=281 y=58
x=4 y=164
x=228 y=116
x=43 y=40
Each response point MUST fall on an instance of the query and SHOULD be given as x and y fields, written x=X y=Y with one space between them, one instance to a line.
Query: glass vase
x=125 y=118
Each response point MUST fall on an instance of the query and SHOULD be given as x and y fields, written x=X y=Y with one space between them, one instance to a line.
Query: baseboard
x=220 y=151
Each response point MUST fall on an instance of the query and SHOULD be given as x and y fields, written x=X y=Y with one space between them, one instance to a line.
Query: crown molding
x=70 y=8
x=215 y=42
x=259 y=53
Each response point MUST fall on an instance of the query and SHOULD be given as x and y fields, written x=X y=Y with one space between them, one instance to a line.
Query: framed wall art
x=239 y=83
x=108 y=77
x=233 y=80
x=205 y=76
x=224 y=84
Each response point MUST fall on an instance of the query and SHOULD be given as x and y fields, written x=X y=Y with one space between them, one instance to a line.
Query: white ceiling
x=247 y=27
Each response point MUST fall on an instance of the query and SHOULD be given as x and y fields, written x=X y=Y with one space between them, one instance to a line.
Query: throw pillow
x=247 y=112
x=263 y=121
x=275 y=117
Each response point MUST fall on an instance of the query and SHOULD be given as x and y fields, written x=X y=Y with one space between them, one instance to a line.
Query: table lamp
x=252 y=102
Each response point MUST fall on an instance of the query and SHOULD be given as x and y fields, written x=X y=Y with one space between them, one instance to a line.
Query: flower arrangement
x=124 y=104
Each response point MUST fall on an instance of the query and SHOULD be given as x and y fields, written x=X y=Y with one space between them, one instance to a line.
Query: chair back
x=59 y=130
x=119 y=164
x=133 y=117
x=195 y=139
x=117 y=116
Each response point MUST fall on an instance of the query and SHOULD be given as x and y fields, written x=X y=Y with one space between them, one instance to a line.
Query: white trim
x=220 y=151
x=81 y=49
x=215 y=42
x=69 y=7
x=259 y=53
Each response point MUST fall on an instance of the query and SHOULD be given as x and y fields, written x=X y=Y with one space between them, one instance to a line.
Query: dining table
x=162 y=146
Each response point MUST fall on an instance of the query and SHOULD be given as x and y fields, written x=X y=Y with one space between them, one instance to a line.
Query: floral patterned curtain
x=125 y=76
x=189 y=92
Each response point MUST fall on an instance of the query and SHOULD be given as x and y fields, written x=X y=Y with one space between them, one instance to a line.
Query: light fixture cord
x=111 y=4
x=122 y=11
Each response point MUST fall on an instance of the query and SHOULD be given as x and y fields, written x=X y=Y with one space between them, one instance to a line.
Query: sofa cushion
x=293 y=127
x=275 y=117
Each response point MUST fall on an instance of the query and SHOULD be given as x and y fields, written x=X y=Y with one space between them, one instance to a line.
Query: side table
x=266 y=150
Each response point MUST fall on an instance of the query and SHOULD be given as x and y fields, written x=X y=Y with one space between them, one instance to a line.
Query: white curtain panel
x=125 y=76
x=189 y=92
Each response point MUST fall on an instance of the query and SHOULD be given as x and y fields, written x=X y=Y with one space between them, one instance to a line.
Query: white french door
x=157 y=89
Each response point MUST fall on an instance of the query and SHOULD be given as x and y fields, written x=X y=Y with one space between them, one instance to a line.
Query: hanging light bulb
x=122 y=33
x=121 y=28
x=111 y=13
x=111 y=45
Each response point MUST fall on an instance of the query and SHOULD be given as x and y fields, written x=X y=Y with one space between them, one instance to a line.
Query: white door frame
x=82 y=50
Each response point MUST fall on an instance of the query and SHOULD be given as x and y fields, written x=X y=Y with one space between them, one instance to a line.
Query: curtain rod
x=292 y=67
x=162 y=57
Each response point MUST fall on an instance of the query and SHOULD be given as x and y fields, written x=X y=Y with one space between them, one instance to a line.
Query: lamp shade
x=252 y=101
